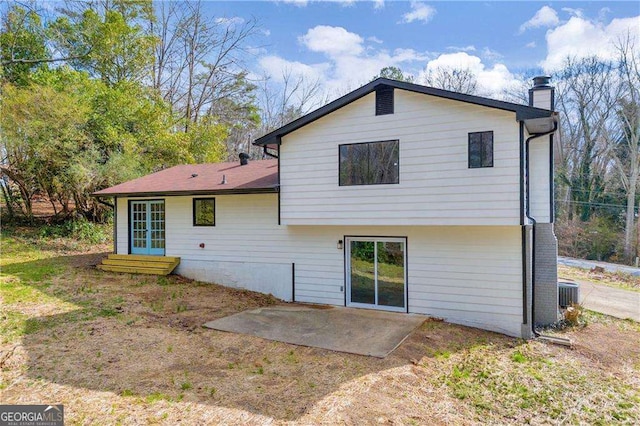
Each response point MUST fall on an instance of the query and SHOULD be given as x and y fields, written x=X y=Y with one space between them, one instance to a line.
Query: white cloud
x=347 y=63
x=602 y=13
x=277 y=68
x=492 y=81
x=345 y=2
x=580 y=37
x=419 y=12
x=573 y=12
x=407 y=55
x=299 y=3
x=492 y=55
x=375 y=39
x=236 y=20
x=531 y=45
x=470 y=48
x=303 y=3
x=545 y=17
x=332 y=41
x=378 y=4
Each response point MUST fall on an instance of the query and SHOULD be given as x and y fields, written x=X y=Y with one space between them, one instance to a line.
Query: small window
x=384 y=100
x=369 y=163
x=480 y=149
x=204 y=212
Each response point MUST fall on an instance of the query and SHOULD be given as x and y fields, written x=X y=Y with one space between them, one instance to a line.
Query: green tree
x=67 y=135
x=205 y=141
x=46 y=147
x=394 y=73
x=22 y=44
x=111 y=44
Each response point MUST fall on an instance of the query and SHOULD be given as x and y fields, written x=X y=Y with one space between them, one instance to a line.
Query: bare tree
x=518 y=92
x=587 y=94
x=461 y=80
x=198 y=65
x=168 y=64
x=624 y=142
x=293 y=97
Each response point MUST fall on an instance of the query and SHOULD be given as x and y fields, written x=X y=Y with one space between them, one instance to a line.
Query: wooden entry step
x=140 y=264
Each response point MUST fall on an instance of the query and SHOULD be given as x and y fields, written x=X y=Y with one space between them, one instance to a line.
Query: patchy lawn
x=119 y=348
x=612 y=279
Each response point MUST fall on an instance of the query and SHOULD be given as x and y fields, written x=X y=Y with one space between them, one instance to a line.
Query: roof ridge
x=522 y=111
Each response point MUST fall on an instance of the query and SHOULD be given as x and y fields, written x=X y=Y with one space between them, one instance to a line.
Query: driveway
x=610 y=301
x=590 y=264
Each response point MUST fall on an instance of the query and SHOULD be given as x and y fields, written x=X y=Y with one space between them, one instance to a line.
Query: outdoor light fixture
x=339 y=244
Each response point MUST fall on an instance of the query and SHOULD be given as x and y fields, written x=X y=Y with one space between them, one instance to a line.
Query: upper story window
x=384 y=100
x=480 y=149
x=369 y=163
x=204 y=212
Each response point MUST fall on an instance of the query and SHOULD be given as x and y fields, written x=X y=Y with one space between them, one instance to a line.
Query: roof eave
x=268 y=190
x=273 y=138
x=523 y=112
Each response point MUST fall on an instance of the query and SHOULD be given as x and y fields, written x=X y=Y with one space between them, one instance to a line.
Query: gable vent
x=384 y=100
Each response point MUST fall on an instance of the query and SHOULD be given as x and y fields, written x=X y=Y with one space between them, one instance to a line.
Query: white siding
x=122 y=226
x=539 y=181
x=542 y=98
x=467 y=275
x=436 y=185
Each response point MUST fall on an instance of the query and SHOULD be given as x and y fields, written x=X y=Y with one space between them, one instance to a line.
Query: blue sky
x=345 y=43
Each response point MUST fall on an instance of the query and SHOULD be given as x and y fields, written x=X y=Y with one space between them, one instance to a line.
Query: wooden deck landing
x=139 y=264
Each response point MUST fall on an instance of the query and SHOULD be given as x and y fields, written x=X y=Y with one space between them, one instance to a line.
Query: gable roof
x=523 y=112
x=255 y=177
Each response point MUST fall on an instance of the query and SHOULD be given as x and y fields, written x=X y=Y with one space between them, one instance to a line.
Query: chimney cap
x=541 y=81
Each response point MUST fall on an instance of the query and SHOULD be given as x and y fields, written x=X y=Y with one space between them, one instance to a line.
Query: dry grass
x=118 y=348
x=612 y=279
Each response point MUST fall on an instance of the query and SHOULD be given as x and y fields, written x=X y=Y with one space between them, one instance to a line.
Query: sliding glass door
x=376 y=273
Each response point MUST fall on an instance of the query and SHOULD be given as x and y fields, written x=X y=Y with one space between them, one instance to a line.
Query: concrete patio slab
x=356 y=331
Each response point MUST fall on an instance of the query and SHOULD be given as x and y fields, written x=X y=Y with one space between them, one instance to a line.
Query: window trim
x=470 y=166
x=340 y=183
x=193 y=210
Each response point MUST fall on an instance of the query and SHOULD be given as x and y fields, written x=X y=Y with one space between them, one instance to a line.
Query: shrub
x=573 y=313
x=80 y=229
x=597 y=239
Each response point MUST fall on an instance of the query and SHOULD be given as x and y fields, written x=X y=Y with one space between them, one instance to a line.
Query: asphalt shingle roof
x=257 y=176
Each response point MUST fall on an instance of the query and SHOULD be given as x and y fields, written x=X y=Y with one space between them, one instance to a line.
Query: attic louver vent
x=384 y=100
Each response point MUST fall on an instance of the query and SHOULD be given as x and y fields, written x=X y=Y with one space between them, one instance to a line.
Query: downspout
x=534 y=222
x=266 y=152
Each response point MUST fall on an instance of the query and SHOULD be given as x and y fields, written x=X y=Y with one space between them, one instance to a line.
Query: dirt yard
x=131 y=349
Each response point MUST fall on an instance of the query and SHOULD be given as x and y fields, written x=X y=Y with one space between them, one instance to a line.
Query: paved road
x=610 y=301
x=590 y=264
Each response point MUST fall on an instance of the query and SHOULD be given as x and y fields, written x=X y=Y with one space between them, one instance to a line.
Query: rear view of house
x=396 y=197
